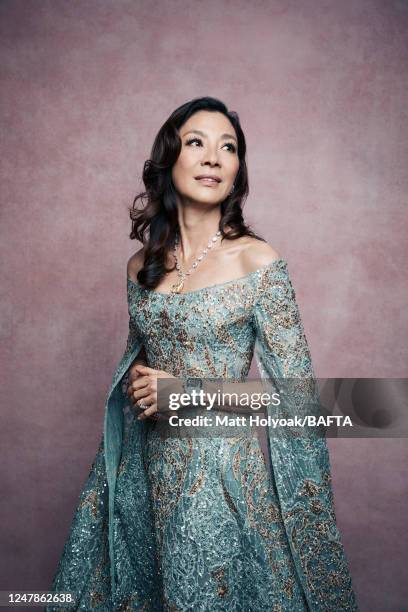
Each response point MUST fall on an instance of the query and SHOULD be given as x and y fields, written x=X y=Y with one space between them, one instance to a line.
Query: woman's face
x=209 y=147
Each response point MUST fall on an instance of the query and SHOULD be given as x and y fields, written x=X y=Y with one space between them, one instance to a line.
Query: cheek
x=233 y=167
x=186 y=159
x=182 y=168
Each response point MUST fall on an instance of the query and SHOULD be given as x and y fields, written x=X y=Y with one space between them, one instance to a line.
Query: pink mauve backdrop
x=320 y=87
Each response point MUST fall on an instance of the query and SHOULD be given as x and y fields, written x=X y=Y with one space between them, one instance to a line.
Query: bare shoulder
x=134 y=264
x=257 y=254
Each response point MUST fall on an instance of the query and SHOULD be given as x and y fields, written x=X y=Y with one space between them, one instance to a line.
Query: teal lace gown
x=167 y=523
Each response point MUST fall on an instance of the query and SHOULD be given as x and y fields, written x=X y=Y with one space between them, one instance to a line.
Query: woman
x=187 y=522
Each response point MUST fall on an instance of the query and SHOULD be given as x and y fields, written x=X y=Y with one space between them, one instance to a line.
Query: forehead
x=208 y=122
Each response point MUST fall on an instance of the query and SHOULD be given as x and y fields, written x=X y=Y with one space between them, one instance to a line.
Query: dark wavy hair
x=156 y=224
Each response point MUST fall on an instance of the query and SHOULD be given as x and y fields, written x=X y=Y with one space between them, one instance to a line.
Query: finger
x=148 y=412
x=137 y=385
x=142 y=400
x=140 y=383
x=131 y=393
x=148 y=400
x=144 y=369
x=134 y=375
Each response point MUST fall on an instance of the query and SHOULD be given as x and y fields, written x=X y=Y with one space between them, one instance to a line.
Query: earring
x=232 y=190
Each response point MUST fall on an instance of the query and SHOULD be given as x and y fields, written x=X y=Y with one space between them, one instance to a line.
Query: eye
x=233 y=148
x=191 y=140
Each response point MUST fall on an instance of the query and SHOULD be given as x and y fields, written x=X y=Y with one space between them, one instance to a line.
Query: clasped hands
x=142 y=389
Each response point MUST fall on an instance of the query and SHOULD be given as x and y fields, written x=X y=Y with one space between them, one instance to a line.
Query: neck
x=195 y=233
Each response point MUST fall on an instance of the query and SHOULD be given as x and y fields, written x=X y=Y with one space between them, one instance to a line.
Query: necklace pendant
x=177 y=287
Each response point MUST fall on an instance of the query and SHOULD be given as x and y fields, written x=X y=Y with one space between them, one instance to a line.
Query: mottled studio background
x=321 y=89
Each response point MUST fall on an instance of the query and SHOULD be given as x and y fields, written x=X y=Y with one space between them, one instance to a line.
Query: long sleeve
x=113 y=435
x=300 y=465
x=97 y=508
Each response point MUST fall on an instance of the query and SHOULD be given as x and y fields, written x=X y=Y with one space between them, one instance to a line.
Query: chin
x=204 y=198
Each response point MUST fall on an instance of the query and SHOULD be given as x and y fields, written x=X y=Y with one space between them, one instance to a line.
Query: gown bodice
x=206 y=333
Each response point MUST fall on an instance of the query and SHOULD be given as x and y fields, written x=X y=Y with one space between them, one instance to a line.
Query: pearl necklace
x=177 y=287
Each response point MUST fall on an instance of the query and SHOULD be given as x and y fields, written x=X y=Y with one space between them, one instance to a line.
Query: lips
x=210 y=177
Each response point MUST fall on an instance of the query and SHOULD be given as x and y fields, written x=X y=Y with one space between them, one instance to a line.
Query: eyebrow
x=204 y=134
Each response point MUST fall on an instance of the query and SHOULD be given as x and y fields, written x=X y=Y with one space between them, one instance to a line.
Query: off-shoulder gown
x=179 y=523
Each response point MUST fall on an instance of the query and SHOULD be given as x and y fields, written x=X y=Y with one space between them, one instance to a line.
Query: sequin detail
x=176 y=524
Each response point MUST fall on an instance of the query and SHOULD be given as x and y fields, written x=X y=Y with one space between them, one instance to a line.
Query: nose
x=210 y=157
